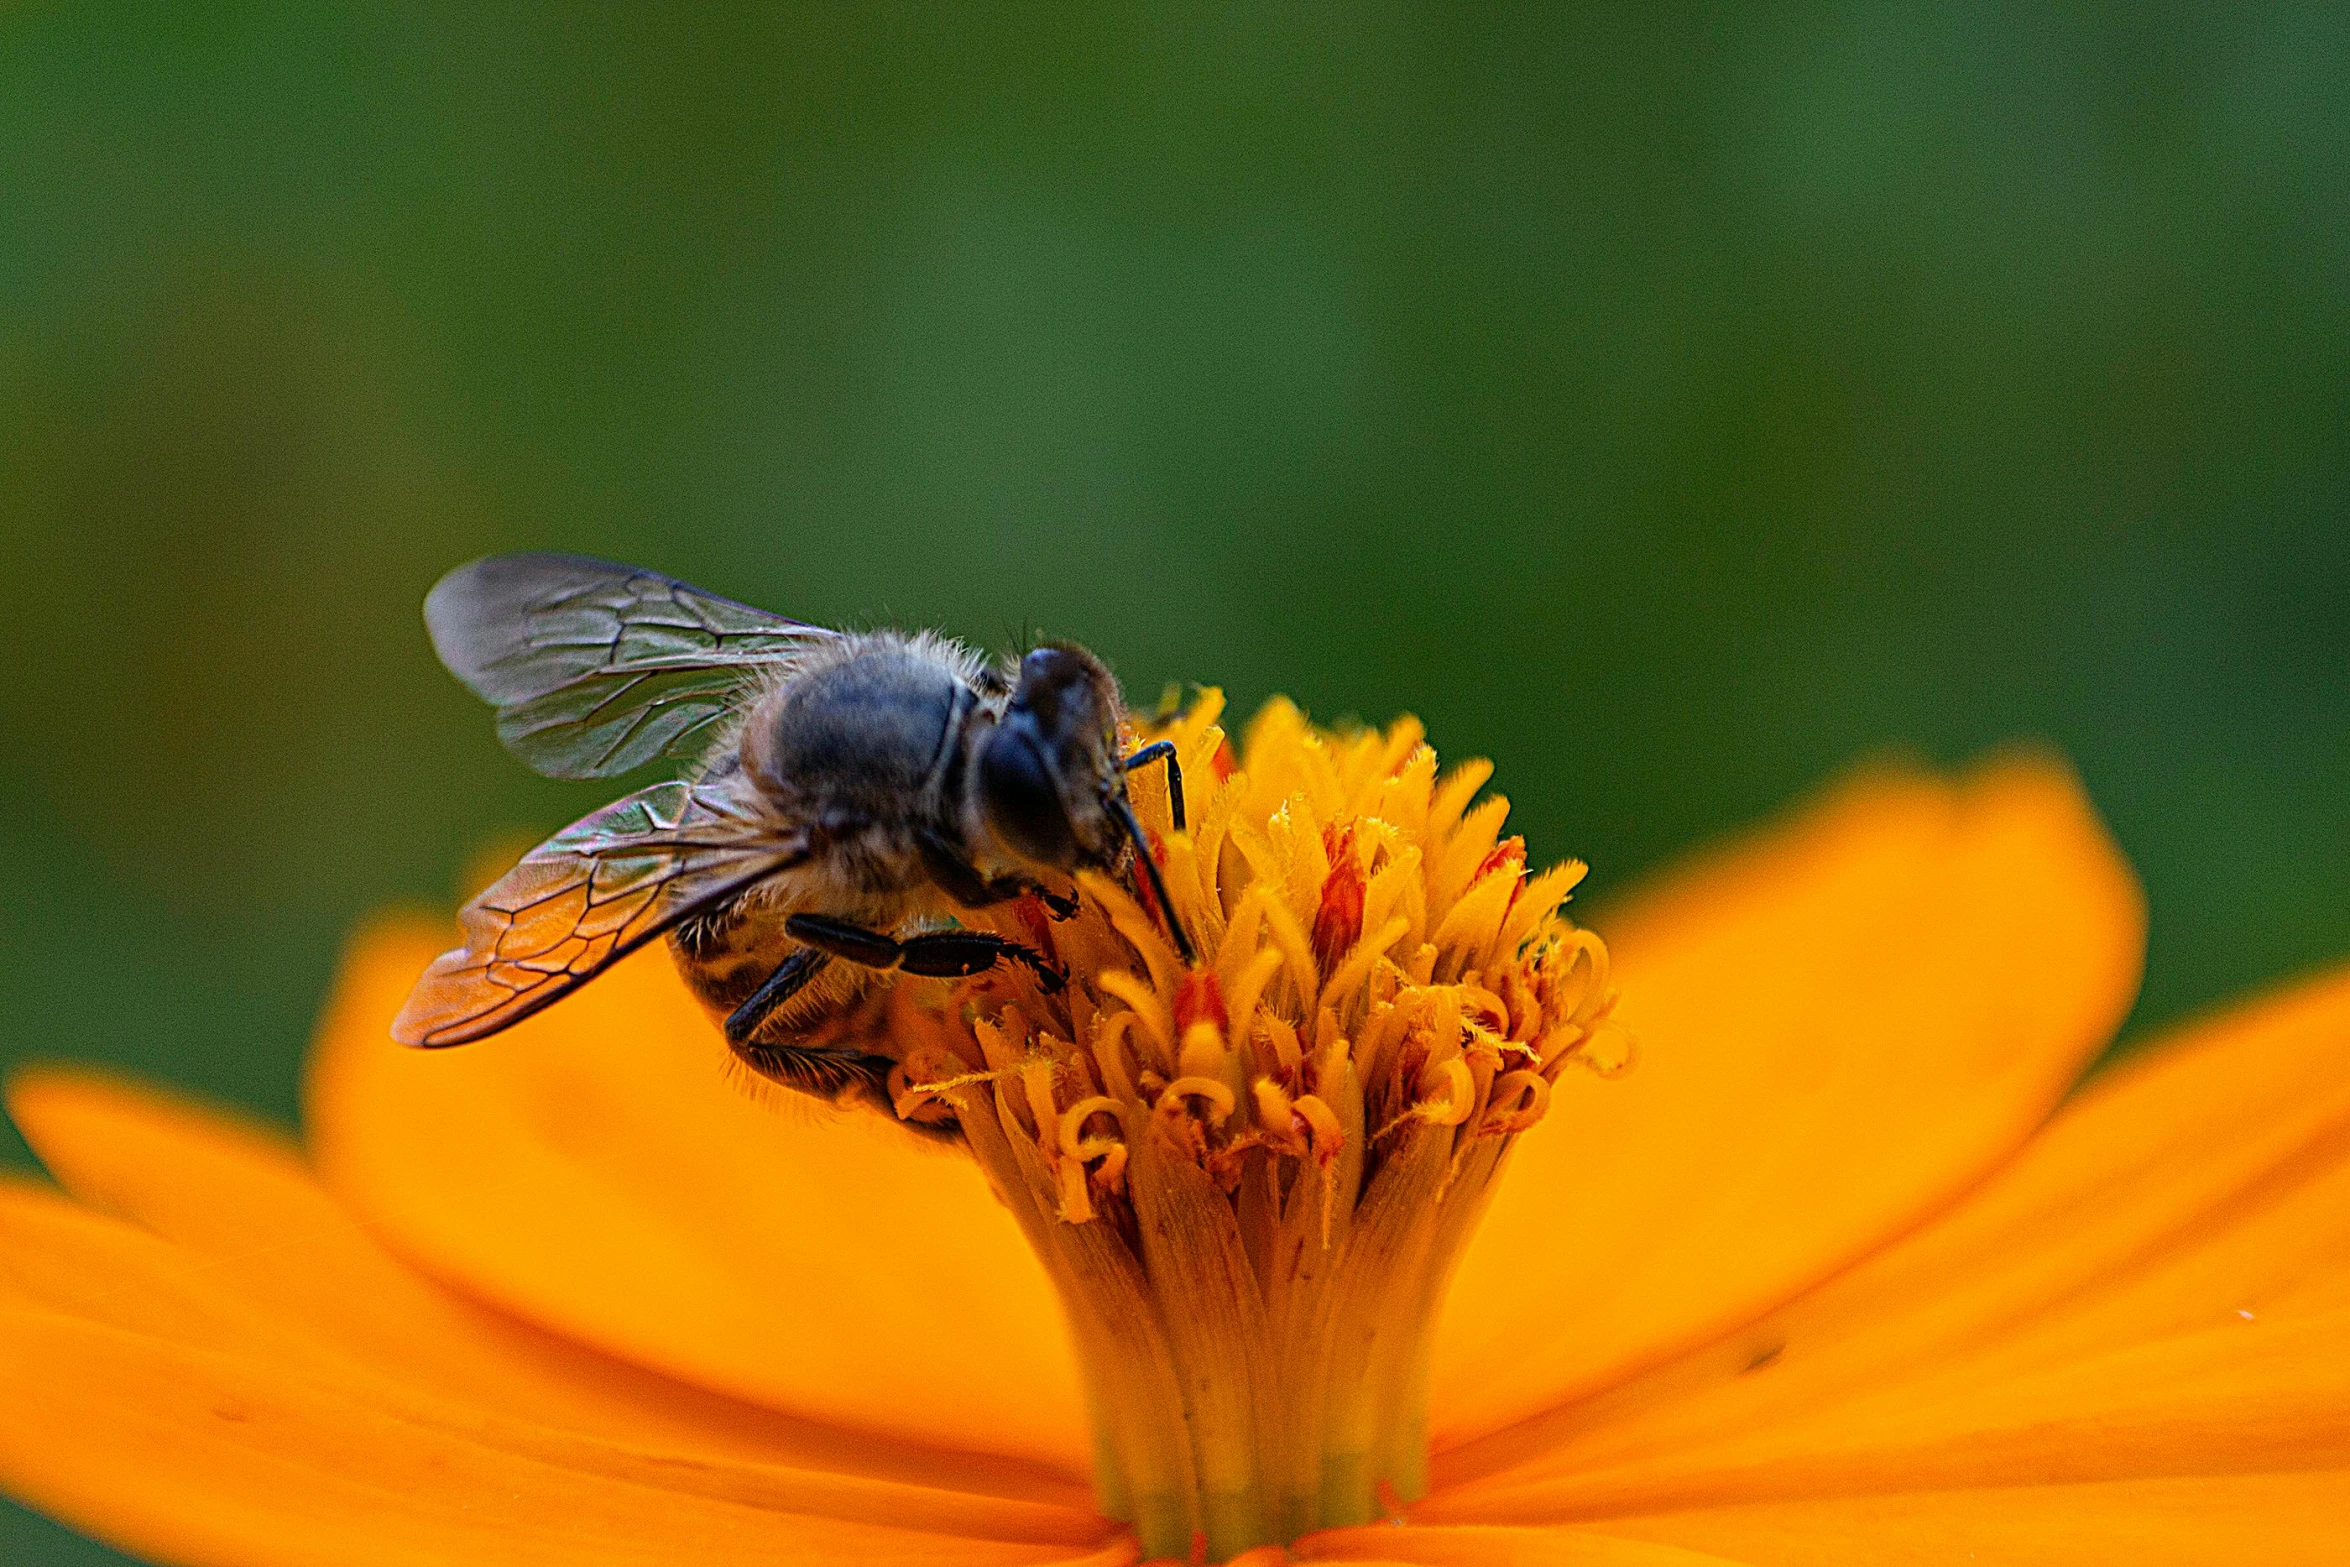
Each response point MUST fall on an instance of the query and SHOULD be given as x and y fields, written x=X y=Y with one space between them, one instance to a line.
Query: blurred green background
x=1672 y=406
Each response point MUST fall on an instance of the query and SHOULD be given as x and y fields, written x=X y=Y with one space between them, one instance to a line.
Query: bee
x=845 y=795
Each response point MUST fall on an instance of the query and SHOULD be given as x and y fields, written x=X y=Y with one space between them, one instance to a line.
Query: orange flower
x=1830 y=1277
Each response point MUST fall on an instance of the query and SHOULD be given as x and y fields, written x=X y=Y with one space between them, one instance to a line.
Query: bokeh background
x=1673 y=406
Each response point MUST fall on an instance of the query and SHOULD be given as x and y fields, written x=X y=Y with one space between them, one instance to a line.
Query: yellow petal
x=2159 y=1285
x=237 y=1211
x=206 y=1457
x=1842 y=1025
x=596 y=1171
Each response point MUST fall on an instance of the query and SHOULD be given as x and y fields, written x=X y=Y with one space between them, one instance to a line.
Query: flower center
x=1250 y=1178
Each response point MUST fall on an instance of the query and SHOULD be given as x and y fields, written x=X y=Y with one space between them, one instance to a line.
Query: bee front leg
x=960 y=880
x=1162 y=751
x=934 y=954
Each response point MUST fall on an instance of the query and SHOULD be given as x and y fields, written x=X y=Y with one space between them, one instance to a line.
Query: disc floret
x=1249 y=1178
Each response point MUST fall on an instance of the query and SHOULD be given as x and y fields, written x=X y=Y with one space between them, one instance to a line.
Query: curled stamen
x=1608 y=1051
x=1110 y=1171
x=1150 y=1012
x=1460 y=1095
x=1110 y=1055
x=1488 y=1010
x=1074 y=1184
x=1220 y=1099
x=1583 y=951
x=1073 y=1122
x=1457 y=1105
x=1515 y=1103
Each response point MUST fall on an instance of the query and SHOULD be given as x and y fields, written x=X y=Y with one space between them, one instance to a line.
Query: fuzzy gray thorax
x=866 y=746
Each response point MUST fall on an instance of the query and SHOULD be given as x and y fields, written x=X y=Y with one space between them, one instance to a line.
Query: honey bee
x=845 y=794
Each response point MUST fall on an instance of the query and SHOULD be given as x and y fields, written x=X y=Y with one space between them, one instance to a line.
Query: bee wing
x=587 y=897
x=596 y=668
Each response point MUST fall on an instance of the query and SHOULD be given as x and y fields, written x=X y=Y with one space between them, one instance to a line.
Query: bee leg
x=791 y=976
x=837 y=1077
x=1162 y=751
x=960 y=880
x=949 y=954
x=869 y=948
x=934 y=954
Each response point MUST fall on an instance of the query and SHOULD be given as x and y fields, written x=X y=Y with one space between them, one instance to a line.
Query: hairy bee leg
x=1157 y=751
x=791 y=976
x=934 y=954
x=837 y=1077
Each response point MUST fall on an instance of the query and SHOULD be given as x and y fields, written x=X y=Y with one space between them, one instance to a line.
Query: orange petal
x=595 y=1170
x=1490 y=1547
x=59 y=1257
x=244 y=1216
x=2276 y=1520
x=1843 y=1024
x=60 y=1261
x=202 y=1456
x=2159 y=1285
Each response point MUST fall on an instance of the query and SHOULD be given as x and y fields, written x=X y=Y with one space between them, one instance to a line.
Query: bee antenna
x=1150 y=867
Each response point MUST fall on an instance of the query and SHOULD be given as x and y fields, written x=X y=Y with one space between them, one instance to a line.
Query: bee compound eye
x=1023 y=805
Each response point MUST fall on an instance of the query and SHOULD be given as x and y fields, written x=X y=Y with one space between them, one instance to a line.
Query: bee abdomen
x=724 y=955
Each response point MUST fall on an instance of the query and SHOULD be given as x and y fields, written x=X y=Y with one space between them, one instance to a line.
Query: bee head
x=1049 y=767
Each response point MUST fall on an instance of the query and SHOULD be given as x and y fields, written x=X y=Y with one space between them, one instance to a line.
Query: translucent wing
x=590 y=895
x=596 y=668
